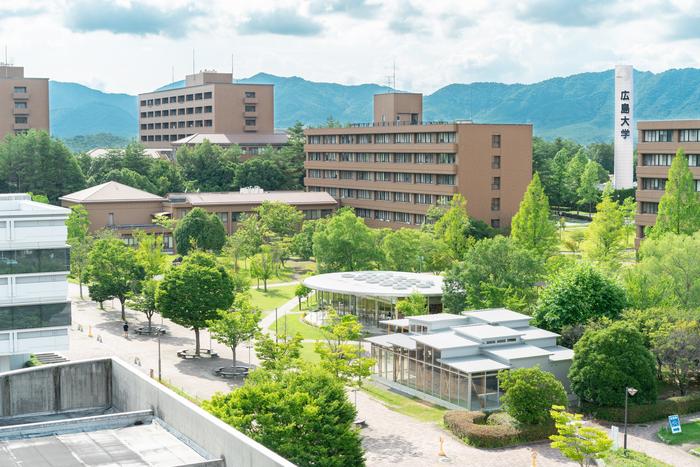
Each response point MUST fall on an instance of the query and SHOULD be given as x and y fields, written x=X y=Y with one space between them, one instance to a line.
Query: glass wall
x=369 y=310
x=35 y=316
x=420 y=370
x=33 y=261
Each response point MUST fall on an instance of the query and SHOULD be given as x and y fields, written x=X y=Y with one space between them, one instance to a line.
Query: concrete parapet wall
x=76 y=425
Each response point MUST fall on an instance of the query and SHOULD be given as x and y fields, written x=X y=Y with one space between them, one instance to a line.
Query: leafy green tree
x=668 y=273
x=262 y=172
x=678 y=350
x=453 y=227
x=345 y=243
x=494 y=273
x=113 y=271
x=262 y=266
x=629 y=210
x=280 y=219
x=303 y=242
x=34 y=162
x=575 y=169
x=145 y=300
x=78 y=223
x=587 y=192
x=249 y=236
x=557 y=185
x=191 y=293
x=149 y=253
x=580 y=443
x=530 y=393
x=166 y=177
x=577 y=295
x=679 y=208
x=78 y=226
x=413 y=305
x=130 y=178
x=302 y=415
x=340 y=353
x=532 y=228
x=603 y=154
x=300 y=292
x=605 y=236
x=403 y=249
x=199 y=229
x=208 y=167
x=278 y=354
x=609 y=360
x=237 y=325
x=292 y=157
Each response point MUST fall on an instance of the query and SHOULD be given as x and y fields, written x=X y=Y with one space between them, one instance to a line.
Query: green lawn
x=293 y=271
x=308 y=353
x=406 y=405
x=618 y=458
x=690 y=433
x=274 y=297
x=294 y=325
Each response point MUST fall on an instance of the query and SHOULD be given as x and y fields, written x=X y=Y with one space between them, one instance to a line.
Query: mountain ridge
x=578 y=106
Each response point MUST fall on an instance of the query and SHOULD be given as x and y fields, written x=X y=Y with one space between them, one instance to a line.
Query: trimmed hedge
x=646 y=412
x=496 y=430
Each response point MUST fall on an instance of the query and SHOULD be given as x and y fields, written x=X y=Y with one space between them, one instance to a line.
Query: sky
x=133 y=46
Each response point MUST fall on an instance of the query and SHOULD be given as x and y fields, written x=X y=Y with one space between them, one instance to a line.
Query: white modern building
x=35 y=313
x=372 y=295
x=454 y=360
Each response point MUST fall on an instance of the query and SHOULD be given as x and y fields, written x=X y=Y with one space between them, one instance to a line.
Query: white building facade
x=35 y=313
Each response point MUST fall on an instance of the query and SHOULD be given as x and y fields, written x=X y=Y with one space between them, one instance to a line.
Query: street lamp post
x=631 y=392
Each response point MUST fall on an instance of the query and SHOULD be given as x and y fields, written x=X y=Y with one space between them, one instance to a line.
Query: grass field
x=618 y=458
x=690 y=434
x=406 y=405
x=274 y=297
x=294 y=325
x=294 y=270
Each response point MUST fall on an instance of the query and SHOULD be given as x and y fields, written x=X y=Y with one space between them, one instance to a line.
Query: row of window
x=398 y=177
x=21 y=119
x=20 y=89
x=181 y=124
x=383 y=157
x=34 y=261
x=34 y=316
x=181 y=111
x=666 y=160
x=660 y=184
x=649 y=207
x=666 y=136
x=175 y=99
x=385 y=138
x=21 y=105
x=172 y=137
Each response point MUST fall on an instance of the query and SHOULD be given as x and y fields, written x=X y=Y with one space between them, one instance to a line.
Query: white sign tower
x=624 y=126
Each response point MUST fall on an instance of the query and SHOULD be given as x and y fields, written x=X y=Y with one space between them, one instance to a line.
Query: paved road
x=391 y=439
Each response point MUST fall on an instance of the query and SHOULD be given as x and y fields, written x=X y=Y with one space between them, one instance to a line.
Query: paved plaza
x=391 y=438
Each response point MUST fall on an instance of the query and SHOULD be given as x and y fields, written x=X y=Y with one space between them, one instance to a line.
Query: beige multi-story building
x=24 y=102
x=209 y=104
x=657 y=145
x=393 y=170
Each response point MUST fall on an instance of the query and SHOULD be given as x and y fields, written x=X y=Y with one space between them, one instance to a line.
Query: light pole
x=159 y=361
x=631 y=392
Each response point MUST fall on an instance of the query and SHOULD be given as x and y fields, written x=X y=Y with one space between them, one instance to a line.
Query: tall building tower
x=624 y=126
x=35 y=313
x=24 y=102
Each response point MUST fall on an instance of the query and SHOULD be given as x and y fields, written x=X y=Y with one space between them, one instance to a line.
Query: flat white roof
x=437 y=317
x=496 y=315
x=536 y=333
x=474 y=364
x=377 y=283
x=560 y=353
x=403 y=322
x=516 y=351
x=487 y=331
x=444 y=340
x=388 y=340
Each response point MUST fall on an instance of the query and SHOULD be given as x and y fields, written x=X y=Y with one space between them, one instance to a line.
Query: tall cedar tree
x=532 y=228
x=679 y=208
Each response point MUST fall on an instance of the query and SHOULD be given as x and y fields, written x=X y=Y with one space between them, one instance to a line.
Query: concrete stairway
x=48 y=358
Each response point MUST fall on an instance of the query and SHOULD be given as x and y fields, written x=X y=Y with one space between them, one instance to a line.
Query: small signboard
x=674 y=423
x=615 y=436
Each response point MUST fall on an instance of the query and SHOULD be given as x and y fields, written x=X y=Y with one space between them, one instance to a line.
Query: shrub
x=493 y=431
x=530 y=393
x=33 y=361
x=645 y=412
x=608 y=360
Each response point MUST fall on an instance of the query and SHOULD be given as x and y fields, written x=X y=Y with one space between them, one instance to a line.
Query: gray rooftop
x=444 y=340
x=516 y=351
x=437 y=317
x=474 y=364
x=487 y=331
x=496 y=315
x=398 y=340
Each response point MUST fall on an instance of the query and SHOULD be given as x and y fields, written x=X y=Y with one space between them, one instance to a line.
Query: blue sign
x=674 y=422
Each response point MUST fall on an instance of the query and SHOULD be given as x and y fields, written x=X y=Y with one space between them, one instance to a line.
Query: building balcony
x=250 y=114
x=410 y=167
x=250 y=128
x=392 y=147
x=250 y=100
x=422 y=188
x=20 y=95
x=21 y=126
x=649 y=195
x=17 y=111
x=645 y=219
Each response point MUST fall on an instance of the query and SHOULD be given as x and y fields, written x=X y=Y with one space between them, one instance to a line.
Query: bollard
x=152 y=373
x=80 y=327
x=534 y=458
x=99 y=338
x=441 y=453
x=89 y=331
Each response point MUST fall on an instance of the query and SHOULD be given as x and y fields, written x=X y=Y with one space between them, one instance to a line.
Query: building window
x=382 y=157
x=21 y=120
x=314 y=173
x=181 y=111
x=443 y=200
x=404 y=138
x=496 y=223
x=363 y=175
x=689 y=136
x=423 y=158
x=364 y=194
x=649 y=207
x=382 y=176
x=445 y=179
x=347 y=193
x=143 y=103
x=198 y=96
x=384 y=216
x=363 y=213
x=208 y=123
x=35 y=316
x=694 y=160
x=362 y=157
x=495 y=141
x=34 y=261
x=446 y=137
x=402 y=197
x=445 y=158
x=250 y=94
x=207 y=109
x=190 y=97
x=173 y=99
x=250 y=108
x=313 y=139
x=110 y=218
x=168 y=241
x=425 y=137
x=129 y=240
x=382 y=139
x=223 y=217
x=313 y=156
x=382 y=195
x=330 y=139
x=347 y=139
x=402 y=177
x=663 y=160
x=236 y=216
x=424 y=178
x=346 y=157
x=421 y=198
x=20 y=89
x=346 y=174
x=495 y=162
x=403 y=217
x=330 y=156
x=207 y=95
x=419 y=219
x=657 y=136
x=250 y=122
x=402 y=158
x=198 y=110
x=653 y=184
x=495 y=204
x=496 y=183
x=20 y=105
x=364 y=139
x=330 y=174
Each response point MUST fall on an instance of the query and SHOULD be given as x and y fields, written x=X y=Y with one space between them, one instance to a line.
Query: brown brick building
x=392 y=170
x=209 y=104
x=24 y=102
x=656 y=146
